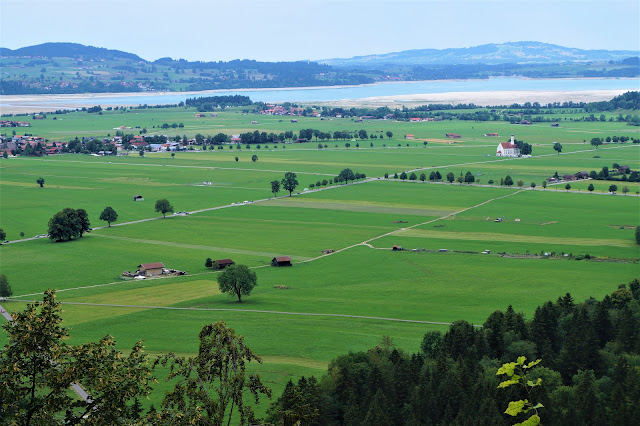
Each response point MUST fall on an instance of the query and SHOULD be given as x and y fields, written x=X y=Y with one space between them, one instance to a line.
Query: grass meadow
x=345 y=301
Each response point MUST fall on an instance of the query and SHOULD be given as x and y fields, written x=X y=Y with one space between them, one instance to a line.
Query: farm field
x=332 y=304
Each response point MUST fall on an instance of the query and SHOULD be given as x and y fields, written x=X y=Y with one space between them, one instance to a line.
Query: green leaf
x=533 y=363
x=538 y=405
x=507 y=369
x=521 y=360
x=507 y=383
x=515 y=407
x=531 y=421
x=534 y=384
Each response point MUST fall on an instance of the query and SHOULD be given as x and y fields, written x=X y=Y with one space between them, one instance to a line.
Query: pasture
x=332 y=304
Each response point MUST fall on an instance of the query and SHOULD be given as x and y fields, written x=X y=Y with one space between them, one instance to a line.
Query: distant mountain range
x=521 y=52
x=54 y=68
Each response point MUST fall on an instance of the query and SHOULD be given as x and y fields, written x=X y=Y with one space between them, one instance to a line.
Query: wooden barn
x=222 y=263
x=151 y=269
x=281 y=261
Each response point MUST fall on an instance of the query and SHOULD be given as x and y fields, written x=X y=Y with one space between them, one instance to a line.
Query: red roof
x=155 y=265
x=282 y=258
x=508 y=145
x=225 y=262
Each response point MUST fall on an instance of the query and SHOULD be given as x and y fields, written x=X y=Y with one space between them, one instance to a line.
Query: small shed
x=223 y=263
x=281 y=261
x=138 y=198
x=151 y=269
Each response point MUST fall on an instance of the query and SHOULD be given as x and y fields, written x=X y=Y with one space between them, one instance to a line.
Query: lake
x=331 y=93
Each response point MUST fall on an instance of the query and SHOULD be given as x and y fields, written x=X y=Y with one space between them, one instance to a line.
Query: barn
x=281 y=261
x=223 y=263
x=151 y=269
x=138 y=198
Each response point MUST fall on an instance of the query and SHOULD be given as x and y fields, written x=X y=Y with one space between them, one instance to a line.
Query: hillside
x=62 y=68
x=491 y=54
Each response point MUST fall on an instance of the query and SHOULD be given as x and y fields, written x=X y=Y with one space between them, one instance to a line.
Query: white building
x=508 y=149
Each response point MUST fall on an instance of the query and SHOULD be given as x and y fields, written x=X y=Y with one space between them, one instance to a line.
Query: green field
x=345 y=301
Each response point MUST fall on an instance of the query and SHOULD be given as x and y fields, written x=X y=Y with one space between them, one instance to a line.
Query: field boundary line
x=258 y=311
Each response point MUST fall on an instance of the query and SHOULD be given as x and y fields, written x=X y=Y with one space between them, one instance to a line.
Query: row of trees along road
x=588 y=374
x=70 y=223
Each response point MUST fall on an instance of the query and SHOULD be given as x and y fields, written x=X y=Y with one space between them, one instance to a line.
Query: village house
x=453 y=135
x=151 y=269
x=491 y=135
x=409 y=137
x=508 y=149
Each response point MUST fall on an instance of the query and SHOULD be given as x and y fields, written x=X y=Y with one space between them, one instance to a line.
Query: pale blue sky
x=277 y=30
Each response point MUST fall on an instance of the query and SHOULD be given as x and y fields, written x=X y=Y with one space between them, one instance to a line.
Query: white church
x=508 y=149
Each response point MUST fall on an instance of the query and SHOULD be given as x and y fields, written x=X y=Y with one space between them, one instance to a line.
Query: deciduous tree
x=109 y=215
x=290 y=182
x=211 y=385
x=164 y=206
x=237 y=280
x=40 y=181
x=275 y=187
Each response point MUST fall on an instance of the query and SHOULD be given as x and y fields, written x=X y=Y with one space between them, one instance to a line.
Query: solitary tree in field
x=164 y=206
x=290 y=182
x=596 y=142
x=389 y=135
x=625 y=189
x=5 y=288
x=64 y=225
x=109 y=215
x=40 y=182
x=237 y=159
x=254 y=158
x=173 y=154
x=141 y=153
x=590 y=188
x=237 y=280
x=558 y=147
x=567 y=186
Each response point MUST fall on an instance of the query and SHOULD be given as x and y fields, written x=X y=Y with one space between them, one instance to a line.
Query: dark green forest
x=590 y=371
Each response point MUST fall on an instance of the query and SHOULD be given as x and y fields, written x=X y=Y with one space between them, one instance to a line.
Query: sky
x=287 y=30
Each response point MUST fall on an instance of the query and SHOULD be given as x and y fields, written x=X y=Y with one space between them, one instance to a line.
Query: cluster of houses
x=273 y=109
x=10 y=123
x=39 y=145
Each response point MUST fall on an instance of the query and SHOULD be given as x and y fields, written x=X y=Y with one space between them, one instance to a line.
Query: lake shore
x=429 y=92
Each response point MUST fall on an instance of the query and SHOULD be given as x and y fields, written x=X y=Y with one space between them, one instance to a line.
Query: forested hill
x=69 y=50
x=520 y=52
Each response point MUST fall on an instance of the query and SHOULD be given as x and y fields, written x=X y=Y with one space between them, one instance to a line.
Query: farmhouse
x=223 y=263
x=507 y=149
x=138 y=198
x=409 y=137
x=281 y=261
x=491 y=135
x=453 y=135
x=151 y=269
